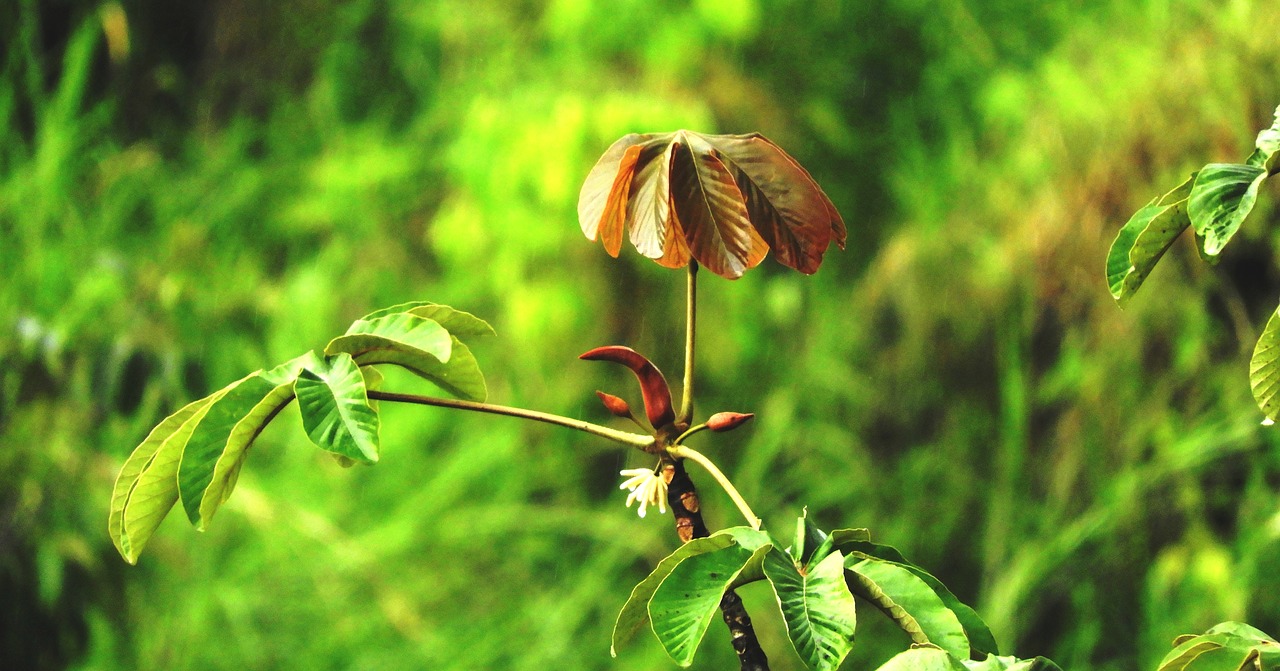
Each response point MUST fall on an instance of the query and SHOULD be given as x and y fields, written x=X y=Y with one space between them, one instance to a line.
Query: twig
x=682 y=497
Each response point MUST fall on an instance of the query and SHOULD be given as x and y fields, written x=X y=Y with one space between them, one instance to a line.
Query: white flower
x=646 y=487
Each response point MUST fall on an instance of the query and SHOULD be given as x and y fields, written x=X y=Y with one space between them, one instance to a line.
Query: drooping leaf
x=415 y=343
x=335 y=408
x=685 y=602
x=994 y=663
x=981 y=641
x=797 y=223
x=1230 y=646
x=1264 y=369
x=219 y=432
x=456 y=322
x=1145 y=238
x=924 y=658
x=147 y=486
x=817 y=606
x=635 y=612
x=712 y=210
x=226 y=472
x=1267 y=147
x=722 y=200
x=399 y=338
x=1221 y=197
x=908 y=601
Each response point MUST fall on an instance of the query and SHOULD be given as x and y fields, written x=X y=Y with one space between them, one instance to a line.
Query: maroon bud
x=614 y=405
x=728 y=421
x=653 y=387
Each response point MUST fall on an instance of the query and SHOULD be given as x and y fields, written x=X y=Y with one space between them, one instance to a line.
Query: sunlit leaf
x=722 y=200
x=1222 y=196
x=994 y=663
x=335 y=408
x=1145 y=238
x=399 y=338
x=981 y=641
x=1230 y=646
x=1264 y=369
x=926 y=658
x=817 y=607
x=685 y=602
x=635 y=612
x=230 y=424
x=456 y=322
x=712 y=210
x=1267 y=146
x=910 y=602
x=147 y=486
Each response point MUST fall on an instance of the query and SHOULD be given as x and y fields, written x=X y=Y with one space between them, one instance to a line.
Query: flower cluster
x=647 y=487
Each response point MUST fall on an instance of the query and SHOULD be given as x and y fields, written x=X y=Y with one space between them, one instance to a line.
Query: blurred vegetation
x=188 y=193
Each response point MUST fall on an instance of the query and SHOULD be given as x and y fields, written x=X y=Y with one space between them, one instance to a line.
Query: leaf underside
x=910 y=602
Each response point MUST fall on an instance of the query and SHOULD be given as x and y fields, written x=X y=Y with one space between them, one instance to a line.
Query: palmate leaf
x=1222 y=196
x=817 y=606
x=147 y=486
x=211 y=461
x=1264 y=369
x=335 y=408
x=722 y=200
x=981 y=641
x=908 y=601
x=635 y=612
x=1230 y=646
x=684 y=603
x=456 y=322
x=420 y=345
x=1145 y=238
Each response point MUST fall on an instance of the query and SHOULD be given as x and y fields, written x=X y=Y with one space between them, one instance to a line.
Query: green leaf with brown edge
x=1221 y=197
x=817 y=606
x=909 y=601
x=456 y=322
x=635 y=612
x=1145 y=238
x=1264 y=368
x=1229 y=646
x=981 y=640
x=224 y=428
x=147 y=486
x=335 y=408
x=684 y=603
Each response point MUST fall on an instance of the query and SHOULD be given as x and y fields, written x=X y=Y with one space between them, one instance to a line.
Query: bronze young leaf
x=721 y=200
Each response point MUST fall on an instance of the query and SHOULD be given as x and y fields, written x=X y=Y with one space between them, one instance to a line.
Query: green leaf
x=817 y=606
x=413 y=343
x=1264 y=368
x=910 y=602
x=1267 y=146
x=925 y=658
x=981 y=641
x=230 y=424
x=335 y=408
x=635 y=612
x=1145 y=238
x=1230 y=646
x=1221 y=198
x=809 y=539
x=147 y=486
x=456 y=322
x=399 y=338
x=994 y=663
x=684 y=603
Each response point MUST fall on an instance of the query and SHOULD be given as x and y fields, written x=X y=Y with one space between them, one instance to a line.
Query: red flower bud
x=614 y=405
x=728 y=421
x=653 y=387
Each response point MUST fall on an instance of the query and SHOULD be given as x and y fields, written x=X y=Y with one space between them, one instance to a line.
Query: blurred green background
x=190 y=191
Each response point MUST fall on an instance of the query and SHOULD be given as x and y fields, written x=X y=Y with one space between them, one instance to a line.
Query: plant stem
x=686 y=452
x=686 y=401
x=633 y=439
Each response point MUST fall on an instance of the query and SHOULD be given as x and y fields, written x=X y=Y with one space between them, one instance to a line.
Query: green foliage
x=815 y=583
x=196 y=454
x=1230 y=646
x=929 y=658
